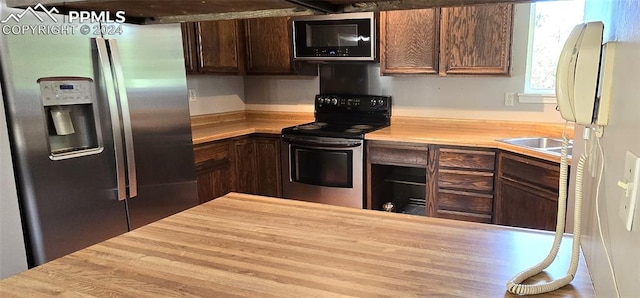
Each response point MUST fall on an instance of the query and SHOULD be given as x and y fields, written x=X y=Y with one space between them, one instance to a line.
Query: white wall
x=216 y=94
x=281 y=93
x=12 y=252
x=427 y=96
x=622 y=24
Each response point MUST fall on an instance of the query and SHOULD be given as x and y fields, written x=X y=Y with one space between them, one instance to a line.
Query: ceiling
x=173 y=11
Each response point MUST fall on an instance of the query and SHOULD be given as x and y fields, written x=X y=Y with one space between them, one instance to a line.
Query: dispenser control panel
x=65 y=90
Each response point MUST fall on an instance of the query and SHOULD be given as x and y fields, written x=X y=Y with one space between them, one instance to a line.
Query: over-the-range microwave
x=343 y=37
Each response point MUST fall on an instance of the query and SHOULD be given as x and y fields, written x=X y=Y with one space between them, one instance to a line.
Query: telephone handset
x=576 y=86
x=577 y=73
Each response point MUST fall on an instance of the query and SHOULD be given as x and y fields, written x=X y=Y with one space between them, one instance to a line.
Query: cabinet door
x=268 y=45
x=526 y=207
x=214 y=183
x=214 y=172
x=409 y=41
x=269 y=182
x=476 y=39
x=526 y=192
x=189 y=47
x=220 y=47
x=244 y=160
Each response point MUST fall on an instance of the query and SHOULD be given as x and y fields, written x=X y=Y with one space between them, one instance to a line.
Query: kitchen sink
x=557 y=150
x=538 y=143
x=549 y=145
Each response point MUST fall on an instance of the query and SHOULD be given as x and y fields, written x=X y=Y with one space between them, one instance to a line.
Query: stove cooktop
x=345 y=116
x=336 y=130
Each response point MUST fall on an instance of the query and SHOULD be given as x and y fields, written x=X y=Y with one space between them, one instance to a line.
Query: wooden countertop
x=244 y=245
x=455 y=132
x=214 y=132
x=213 y=127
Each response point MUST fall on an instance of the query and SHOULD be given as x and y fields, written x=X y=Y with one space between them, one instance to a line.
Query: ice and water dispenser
x=71 y=110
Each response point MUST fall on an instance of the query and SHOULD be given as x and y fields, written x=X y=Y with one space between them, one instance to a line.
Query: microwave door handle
x=126 y=117
x=109 y=85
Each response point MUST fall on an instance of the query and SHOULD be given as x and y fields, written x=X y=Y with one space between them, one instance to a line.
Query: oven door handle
x=324 y=144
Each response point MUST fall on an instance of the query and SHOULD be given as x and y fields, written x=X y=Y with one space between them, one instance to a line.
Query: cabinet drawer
x=210 y=154
x=467 y=159
x=535 y=172
x=466 y=180
x=465 y=201
x=483 y=218
x=398 y=156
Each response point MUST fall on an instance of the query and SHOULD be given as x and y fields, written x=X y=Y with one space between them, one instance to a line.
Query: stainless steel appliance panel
x=155 y=82
x=353 y=78
x=66 y=204
x=329 y=185
x=336 y=37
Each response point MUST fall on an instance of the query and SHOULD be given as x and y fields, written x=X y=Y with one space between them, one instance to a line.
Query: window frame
x=529 y=94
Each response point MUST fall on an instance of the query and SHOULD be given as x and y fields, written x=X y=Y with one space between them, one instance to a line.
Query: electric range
x=323 y=161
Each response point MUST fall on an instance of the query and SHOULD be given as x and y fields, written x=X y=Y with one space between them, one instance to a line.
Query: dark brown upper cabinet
x=254 y=46
x=220 y=46
x=189 y=47
x=467 y=40
x=476 y=39
x=408 y=41
x=214 y=47
x=269 y=46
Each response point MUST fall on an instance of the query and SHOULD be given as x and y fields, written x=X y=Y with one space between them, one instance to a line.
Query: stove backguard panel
x=353 y=78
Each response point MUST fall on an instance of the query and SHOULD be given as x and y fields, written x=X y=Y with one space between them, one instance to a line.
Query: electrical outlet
x=193 y=95
x=509 y=99
x=629 y=185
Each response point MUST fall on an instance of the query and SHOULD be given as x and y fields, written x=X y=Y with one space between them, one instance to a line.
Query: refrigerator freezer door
x=154 y=77
x=66 y=204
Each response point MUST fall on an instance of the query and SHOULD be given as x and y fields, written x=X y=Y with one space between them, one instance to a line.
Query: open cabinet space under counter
x=432 y=180
x=397 y=177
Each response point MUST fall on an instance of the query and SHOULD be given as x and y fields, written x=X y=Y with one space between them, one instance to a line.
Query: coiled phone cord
x=515 y=285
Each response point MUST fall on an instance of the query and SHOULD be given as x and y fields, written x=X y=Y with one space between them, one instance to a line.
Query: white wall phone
x=576 y=86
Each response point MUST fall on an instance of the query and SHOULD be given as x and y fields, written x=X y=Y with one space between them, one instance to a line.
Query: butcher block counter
x=456 y=132
x=245 y=245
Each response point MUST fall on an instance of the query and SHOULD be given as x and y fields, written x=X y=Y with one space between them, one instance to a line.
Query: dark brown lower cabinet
x=269 y=180
x=527 y=192
x=257 y=165
x=248 y=164
x=463 y=183
x=214 y=171
x=244 y=164
x=398 y=175
x=463 y=187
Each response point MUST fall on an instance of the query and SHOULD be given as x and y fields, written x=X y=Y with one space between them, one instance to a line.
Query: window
x=550 y=25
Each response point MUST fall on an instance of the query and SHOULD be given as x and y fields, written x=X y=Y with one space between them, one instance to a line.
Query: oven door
x=323 y=170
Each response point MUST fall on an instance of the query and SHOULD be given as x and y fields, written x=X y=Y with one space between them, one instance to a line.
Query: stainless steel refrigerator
x=99 y=129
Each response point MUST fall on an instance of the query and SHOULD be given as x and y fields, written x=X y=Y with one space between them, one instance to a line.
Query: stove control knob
x=380 y=101
x=373 y=102
x=334 y=101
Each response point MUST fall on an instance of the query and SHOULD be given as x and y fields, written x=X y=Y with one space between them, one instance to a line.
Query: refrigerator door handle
x=126 y=117
x=105 y=66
